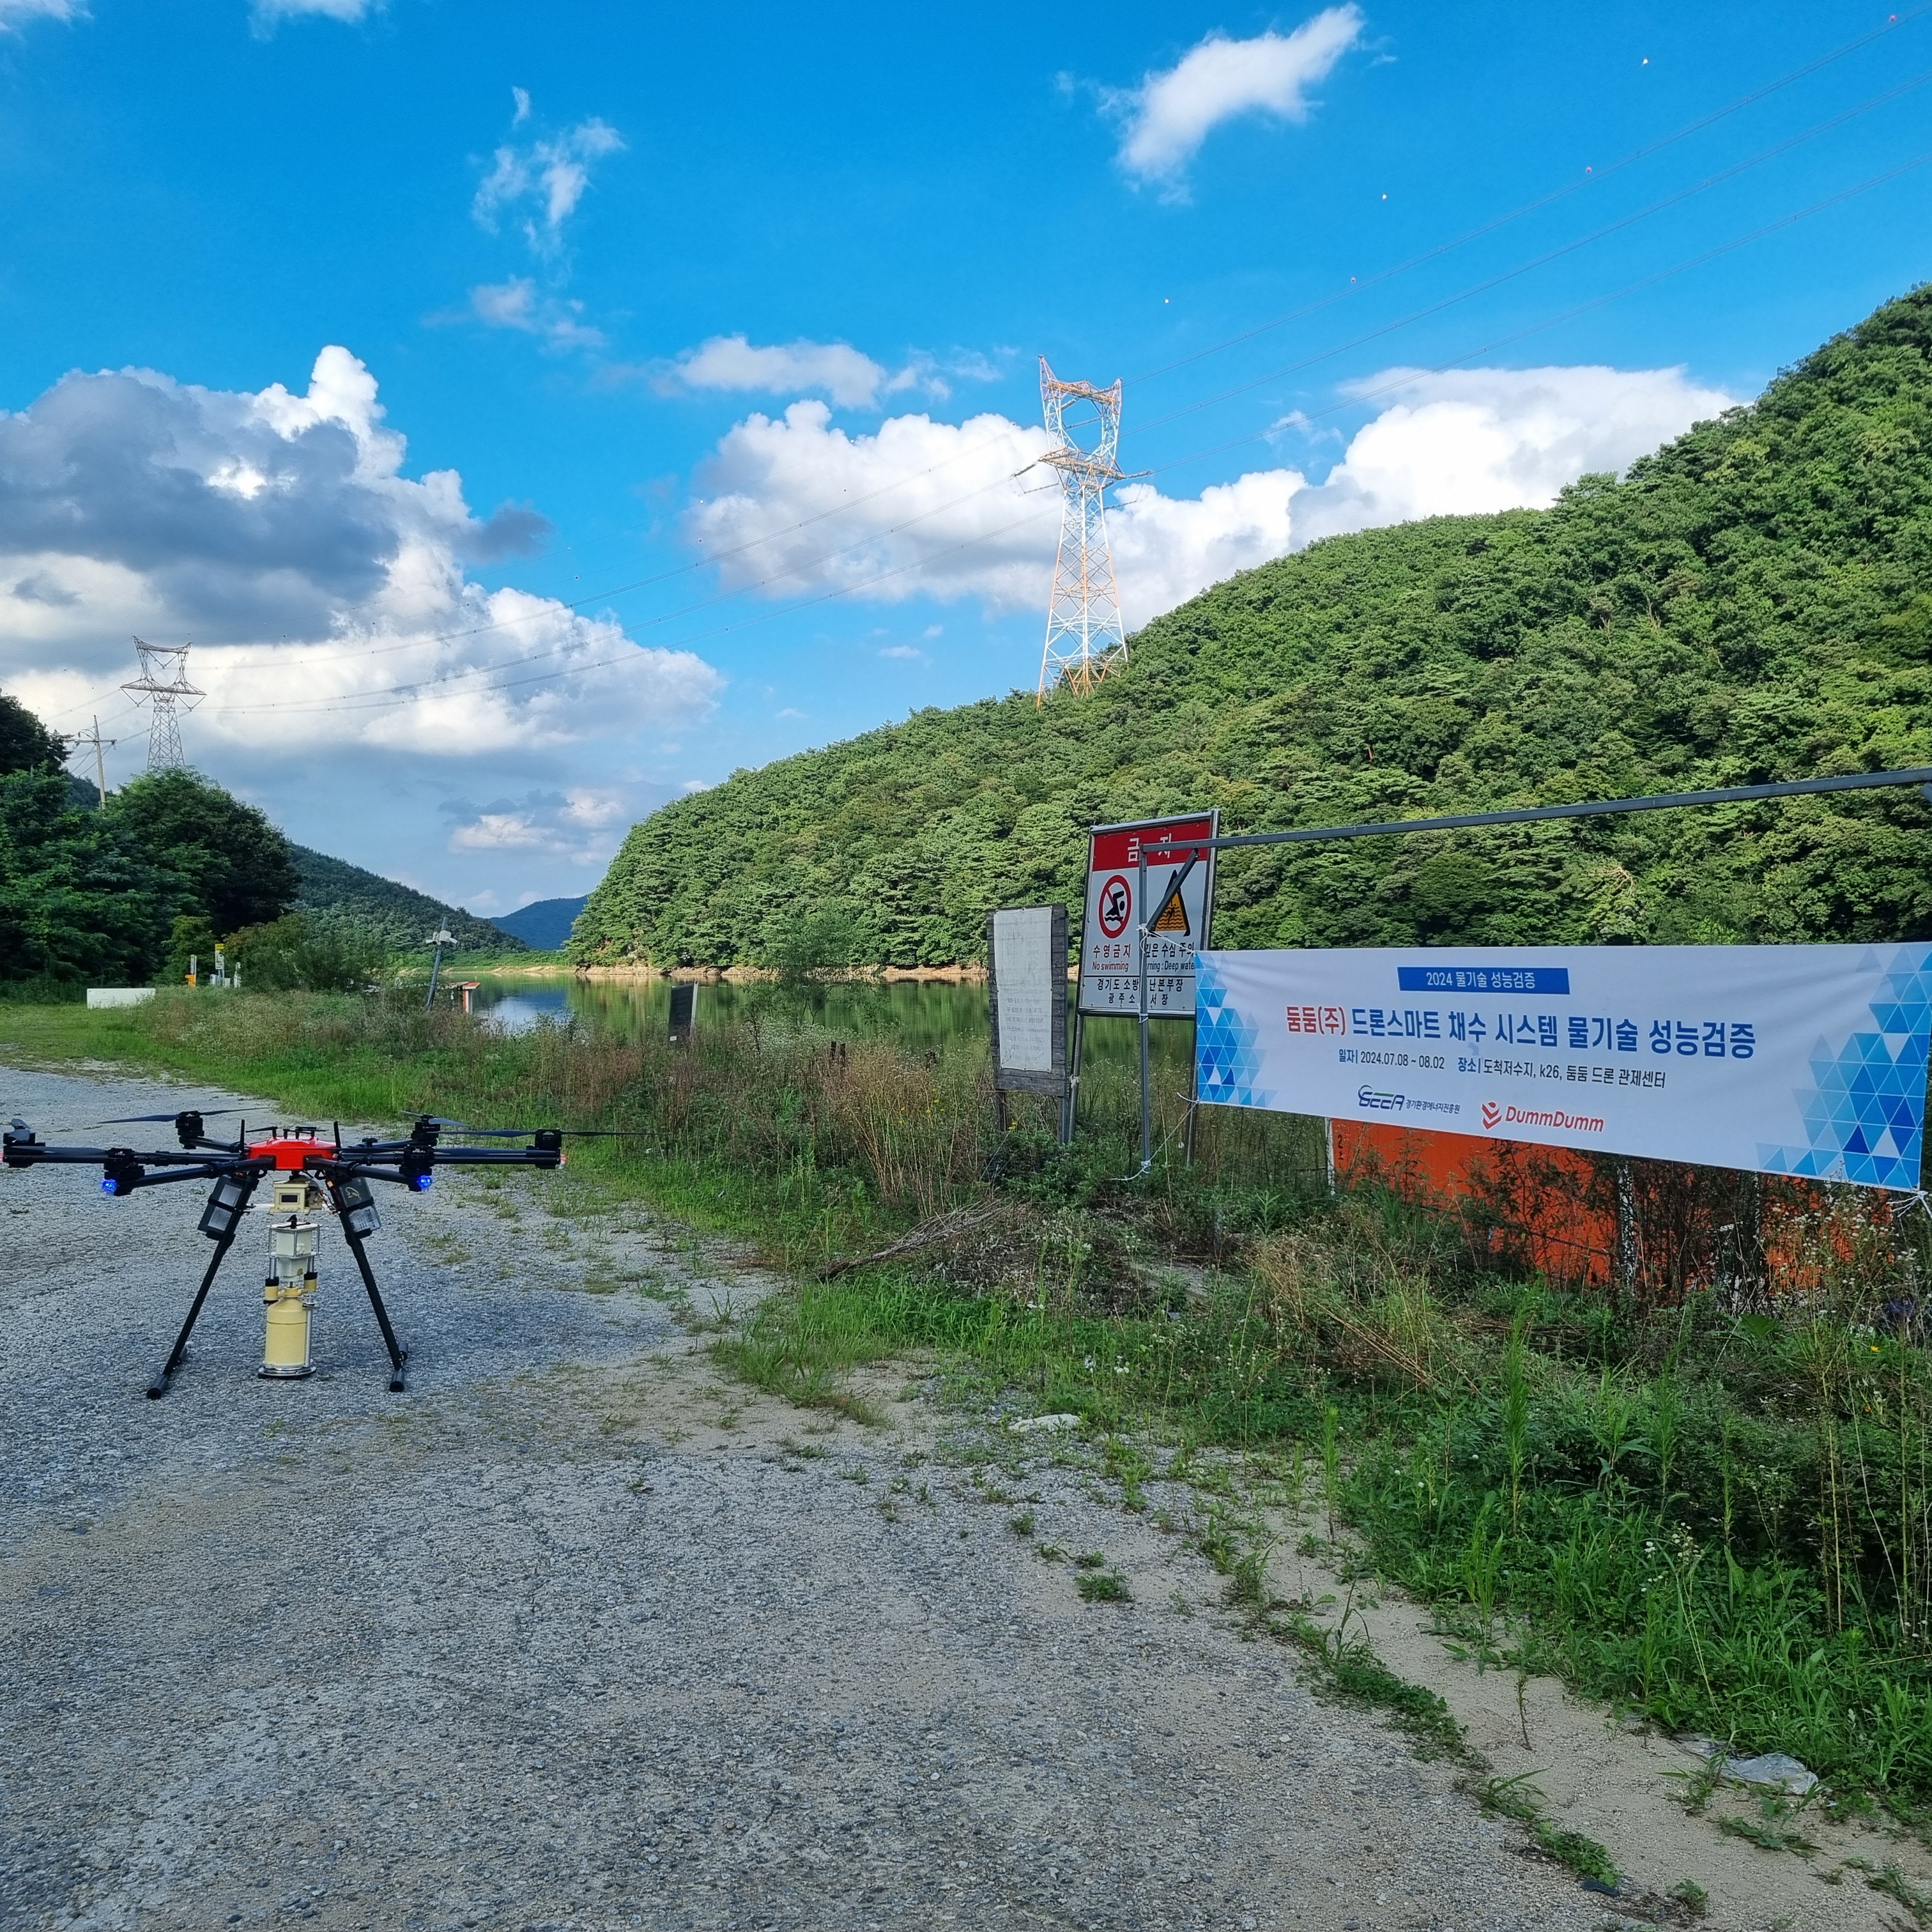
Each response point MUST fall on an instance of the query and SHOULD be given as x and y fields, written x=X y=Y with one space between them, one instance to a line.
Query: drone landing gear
x=398 y=1354
x=158 y=1387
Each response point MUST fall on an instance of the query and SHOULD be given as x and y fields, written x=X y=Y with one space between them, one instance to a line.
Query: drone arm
x=205 y=1171
x=34 y=1153
x=469 y=1156
x=344 y=1169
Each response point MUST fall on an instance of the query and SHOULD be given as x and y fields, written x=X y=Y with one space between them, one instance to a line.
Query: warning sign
x=1173 y=917
x=1111 y=942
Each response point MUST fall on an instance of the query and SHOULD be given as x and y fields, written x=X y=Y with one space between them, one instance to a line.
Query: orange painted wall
x=1539 y=1185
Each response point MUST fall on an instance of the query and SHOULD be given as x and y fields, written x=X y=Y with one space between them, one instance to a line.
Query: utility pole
x=441 y=937
x=164 y=696
x=1085 y=638
x=73 y=740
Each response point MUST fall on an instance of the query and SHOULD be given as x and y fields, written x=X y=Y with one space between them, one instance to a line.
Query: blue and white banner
x=1801 y=1059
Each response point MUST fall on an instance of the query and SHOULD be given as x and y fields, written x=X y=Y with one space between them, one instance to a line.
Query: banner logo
x=1492 y=1113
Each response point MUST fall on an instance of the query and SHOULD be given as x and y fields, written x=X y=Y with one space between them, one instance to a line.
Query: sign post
x=683 y=1012
x=1150 y=898
x=1026 y=971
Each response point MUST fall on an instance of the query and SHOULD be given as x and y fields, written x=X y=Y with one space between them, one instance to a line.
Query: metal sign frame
x=1182 y=855
x=1157 y=839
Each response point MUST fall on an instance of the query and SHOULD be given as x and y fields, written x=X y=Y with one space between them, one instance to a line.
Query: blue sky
x=563 y=302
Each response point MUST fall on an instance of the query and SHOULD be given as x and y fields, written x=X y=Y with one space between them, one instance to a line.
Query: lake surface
x=921 y=1015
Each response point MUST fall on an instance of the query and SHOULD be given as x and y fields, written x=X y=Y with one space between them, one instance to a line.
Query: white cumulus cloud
x=1463 y=440
x=933 y=504
x=1171 y=114
x=849 y=376
x=336 y=629
x=932 y=508
x=546 y=178
x=269 y=14
x=793 y=505
x=13 y=14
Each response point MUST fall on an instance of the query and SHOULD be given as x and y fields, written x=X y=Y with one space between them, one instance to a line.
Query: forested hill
x=400 y=916
x=1754 y=601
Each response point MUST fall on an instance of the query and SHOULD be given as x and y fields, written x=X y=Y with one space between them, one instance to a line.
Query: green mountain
x=544 y=924
x=403 y=919
x=1754 y=601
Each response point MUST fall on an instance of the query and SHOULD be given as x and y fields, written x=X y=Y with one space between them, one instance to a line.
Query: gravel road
x=573 y=1635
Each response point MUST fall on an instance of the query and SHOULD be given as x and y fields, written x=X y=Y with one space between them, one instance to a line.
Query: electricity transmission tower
x=1085 y=636
x=164 y=695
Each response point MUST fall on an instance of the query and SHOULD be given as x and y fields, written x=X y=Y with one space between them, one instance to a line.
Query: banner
x=1798 y=1060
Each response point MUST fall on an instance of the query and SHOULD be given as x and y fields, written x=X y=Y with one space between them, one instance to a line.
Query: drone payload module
x=310 y=1177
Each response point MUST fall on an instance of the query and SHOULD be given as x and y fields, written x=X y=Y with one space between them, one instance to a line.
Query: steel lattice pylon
x=1085 y=638
x=165 y=696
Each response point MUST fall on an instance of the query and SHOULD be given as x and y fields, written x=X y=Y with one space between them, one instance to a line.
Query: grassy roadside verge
x=1723 y=1520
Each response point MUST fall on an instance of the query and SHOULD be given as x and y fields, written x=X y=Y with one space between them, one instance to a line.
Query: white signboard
x=1799 y=1060
x=1110 y=941
x=1026 y=954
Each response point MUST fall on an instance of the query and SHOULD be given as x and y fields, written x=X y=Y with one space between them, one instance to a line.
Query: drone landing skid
x=399 y=1354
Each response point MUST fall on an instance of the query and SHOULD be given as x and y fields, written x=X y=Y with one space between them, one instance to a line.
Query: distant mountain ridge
x=544 y=924
x=404 y=918
x=1752 y=602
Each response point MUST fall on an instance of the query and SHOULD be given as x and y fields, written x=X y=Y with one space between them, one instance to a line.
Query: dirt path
x=573 y=1634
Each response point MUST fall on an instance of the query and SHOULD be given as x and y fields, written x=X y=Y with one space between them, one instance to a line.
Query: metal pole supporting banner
x=1140 y=950
x=1070 y=1107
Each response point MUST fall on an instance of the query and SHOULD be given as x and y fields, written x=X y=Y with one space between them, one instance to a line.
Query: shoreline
x=971 y=974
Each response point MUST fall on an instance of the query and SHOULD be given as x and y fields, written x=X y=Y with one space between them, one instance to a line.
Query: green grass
x=1720 y=1521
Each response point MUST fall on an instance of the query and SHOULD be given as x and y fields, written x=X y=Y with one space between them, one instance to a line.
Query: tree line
x=127 y=891
x=1752 y=602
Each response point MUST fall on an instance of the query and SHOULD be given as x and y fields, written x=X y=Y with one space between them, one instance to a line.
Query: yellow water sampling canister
x=288 y=1295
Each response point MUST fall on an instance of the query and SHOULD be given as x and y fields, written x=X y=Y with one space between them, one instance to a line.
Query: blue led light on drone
x=421 y=1182
x=107 y=1185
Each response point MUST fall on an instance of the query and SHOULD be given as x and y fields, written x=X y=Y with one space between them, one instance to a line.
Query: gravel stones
x=526 y=1647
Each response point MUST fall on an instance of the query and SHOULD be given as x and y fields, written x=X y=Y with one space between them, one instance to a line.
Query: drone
x=308 y=1175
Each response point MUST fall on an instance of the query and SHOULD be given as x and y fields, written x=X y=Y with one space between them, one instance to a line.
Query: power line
x=1591 y=178
x=402 y=694
x=1551 y=255
x=1410 y=378
x=551 y=606
x=1435 y=308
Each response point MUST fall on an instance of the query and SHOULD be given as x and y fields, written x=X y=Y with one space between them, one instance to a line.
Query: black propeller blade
x=520 y=1133
x=141 y=1120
